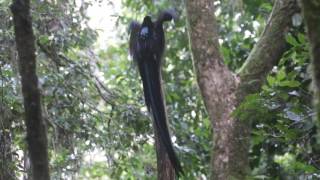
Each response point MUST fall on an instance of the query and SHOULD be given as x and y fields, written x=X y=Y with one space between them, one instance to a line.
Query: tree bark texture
x=164 y=167
x=36 y=131
x=223 y=91
x=311 y=12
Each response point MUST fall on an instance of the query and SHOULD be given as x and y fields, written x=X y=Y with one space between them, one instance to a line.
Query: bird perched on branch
x=146 y=46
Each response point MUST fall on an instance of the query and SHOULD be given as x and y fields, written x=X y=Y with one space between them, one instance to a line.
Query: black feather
x=147 y=44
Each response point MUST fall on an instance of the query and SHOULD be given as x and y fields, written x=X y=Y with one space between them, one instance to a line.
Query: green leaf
x=44 y=39
x=281 y=75
x=301 y=38
x=291 y=84
x=291 y=40
x=271 y=80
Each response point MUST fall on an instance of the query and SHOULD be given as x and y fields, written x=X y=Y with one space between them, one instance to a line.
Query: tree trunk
x=222 y=91
x=164 y=167
x=311 y=12
x=36 y=132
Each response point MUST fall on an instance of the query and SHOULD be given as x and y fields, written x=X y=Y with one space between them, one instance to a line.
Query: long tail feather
x=150 y=74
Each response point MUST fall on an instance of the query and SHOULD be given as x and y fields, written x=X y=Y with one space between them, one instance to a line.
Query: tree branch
x=222 y=91
x=268 y=50
x=62 y=60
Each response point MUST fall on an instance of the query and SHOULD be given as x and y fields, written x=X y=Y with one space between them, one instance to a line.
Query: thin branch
x=59 y=58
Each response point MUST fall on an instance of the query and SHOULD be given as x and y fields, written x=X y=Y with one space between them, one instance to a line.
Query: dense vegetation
x=92 y=99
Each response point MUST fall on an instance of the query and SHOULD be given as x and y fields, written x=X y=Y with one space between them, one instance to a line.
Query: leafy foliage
x=93 y=103
x=281 y=115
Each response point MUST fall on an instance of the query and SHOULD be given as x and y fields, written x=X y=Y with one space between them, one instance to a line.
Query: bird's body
x=147 y=44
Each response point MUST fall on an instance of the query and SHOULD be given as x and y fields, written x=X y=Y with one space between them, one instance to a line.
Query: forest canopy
x=240 y=82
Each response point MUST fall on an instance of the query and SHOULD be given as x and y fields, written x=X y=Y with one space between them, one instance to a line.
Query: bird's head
x=147 y=21
x=146 y=28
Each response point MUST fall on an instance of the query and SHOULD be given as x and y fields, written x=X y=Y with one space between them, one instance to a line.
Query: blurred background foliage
x=98 y=126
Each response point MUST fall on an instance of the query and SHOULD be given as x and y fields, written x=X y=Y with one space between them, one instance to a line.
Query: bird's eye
x=144 y=31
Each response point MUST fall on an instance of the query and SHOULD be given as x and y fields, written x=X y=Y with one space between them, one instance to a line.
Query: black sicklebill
x=147 y=44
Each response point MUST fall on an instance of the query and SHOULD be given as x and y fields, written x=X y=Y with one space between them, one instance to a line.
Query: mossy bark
x=36 y=131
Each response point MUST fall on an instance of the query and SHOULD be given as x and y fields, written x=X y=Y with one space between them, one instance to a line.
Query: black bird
x=146 y=46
